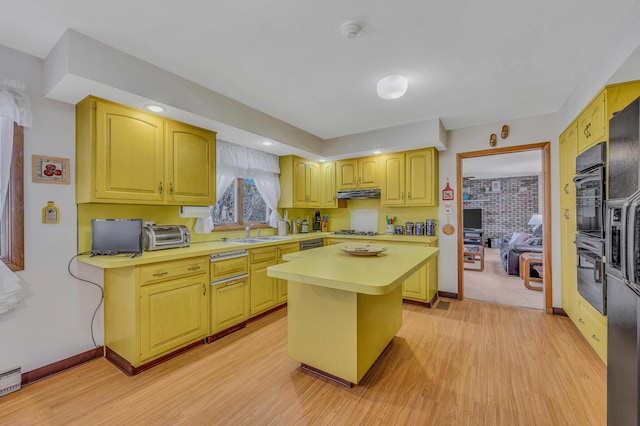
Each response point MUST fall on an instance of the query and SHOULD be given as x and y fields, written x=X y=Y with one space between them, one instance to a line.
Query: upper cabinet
x=358 y=173
x=128 y=156
x=591 y=124
x=328 y=190
x=299 y=182
x=568 y=150
x=410 y=178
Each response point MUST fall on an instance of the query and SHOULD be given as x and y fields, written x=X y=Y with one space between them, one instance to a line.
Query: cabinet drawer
x=593 y=330
x=228 y=268
x=288 y=248
x=169 y=270
x=263 y=255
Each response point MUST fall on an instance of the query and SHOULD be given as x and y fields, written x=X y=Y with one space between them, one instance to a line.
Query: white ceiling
x=468 y=62
x=525 y=163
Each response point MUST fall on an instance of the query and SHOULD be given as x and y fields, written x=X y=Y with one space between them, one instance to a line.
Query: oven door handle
x=587 y=177
x=623 y=242
x=631 y=233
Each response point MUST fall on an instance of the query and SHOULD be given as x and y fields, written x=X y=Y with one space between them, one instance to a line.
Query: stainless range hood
x=359 y=194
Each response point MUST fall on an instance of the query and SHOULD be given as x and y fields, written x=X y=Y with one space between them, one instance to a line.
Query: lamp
x=392 y=87
x=536 y=219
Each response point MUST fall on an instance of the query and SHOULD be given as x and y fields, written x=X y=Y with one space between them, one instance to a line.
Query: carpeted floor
x=494 y=285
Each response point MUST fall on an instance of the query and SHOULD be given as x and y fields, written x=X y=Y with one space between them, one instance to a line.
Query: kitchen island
x=344 y=310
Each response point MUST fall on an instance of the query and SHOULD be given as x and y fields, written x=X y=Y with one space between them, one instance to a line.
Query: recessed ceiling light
x=392 y=87
x=377 y=151
x=322 y=160
x=154 y=108
x=267 y=143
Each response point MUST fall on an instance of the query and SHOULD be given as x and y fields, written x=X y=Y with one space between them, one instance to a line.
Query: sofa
x=517 y=243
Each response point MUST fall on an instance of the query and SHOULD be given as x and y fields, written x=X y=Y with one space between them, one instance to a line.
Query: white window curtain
x=236 y=161
x=15 y=106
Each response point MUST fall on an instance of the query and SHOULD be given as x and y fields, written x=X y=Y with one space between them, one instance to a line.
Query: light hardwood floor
x=473 y=364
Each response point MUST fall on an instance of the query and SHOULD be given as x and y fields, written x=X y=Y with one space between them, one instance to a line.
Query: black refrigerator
x=622 y=245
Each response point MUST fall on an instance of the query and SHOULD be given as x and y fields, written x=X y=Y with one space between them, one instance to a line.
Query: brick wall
x=505 y=211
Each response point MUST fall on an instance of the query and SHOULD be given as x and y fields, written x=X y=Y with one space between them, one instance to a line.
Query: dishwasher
x=229 y=295
x=311 y=244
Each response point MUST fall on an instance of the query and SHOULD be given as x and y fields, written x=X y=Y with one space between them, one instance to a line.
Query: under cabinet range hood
x=359 y=194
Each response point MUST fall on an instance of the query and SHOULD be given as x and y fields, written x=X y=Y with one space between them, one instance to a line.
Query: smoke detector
x=351 y=29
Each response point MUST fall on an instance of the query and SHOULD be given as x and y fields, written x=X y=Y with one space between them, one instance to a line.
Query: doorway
x=500 y=194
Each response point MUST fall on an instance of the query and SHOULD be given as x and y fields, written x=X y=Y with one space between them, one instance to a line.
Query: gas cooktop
x=354 y=232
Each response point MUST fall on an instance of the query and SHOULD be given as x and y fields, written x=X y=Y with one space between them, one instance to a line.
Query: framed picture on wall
x=495 y=186
x=49 y=169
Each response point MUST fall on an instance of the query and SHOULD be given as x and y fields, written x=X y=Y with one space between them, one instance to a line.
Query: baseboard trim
x=560 y=312
x=265 y=313
x=430 y=304
x=448 y=295
x=127 y=368
x=59 y=366
x=226 y=332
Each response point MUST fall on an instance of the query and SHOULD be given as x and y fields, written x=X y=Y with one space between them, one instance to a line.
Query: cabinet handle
x=160 y=274
x=566 y=188
x=566 y=213
x=170 y=188
x=194 y=268
x=402 y=196
x=204 y=289
x=595 y=338
x=408 y=195
x=580 y=321
x=161 y=187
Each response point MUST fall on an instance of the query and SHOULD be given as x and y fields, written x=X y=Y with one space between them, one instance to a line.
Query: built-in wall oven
x=590 y=181
x=590 y=184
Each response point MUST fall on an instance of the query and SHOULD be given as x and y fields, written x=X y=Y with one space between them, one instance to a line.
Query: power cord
x=92 y=283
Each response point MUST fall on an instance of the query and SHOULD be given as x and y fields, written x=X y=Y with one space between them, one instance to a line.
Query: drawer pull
x=595 y=338
x=160 y=274
x=566 y=188
x=160 y=187
x=194 y=268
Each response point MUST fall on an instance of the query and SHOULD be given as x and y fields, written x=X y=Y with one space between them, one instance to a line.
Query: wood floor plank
x=473 y=364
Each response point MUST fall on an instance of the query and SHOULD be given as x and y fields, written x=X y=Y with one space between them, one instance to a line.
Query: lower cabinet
x=229 y=303
x=154 y=310
x=282 y=284
x=593 y=327
x=263 y=288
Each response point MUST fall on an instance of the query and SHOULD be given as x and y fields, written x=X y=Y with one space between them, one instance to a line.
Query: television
x=116 y=236
x=472 y=218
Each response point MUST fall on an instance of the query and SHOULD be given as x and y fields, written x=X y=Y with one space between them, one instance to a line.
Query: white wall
x=53 y=322
x=530 y=130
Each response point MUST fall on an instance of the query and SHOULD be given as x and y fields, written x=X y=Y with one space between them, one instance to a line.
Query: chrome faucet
x=258 y=232
x=247 y=231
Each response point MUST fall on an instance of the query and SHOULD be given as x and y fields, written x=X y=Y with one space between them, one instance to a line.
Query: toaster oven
x=158 y=237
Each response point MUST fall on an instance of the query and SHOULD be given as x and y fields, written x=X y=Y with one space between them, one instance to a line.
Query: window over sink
x=240 y=205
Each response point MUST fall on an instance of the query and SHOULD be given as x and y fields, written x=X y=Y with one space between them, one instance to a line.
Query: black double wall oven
x=590 y=181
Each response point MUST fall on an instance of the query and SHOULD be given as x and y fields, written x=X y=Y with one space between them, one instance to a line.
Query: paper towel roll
x=203 y=225
x=192 y=211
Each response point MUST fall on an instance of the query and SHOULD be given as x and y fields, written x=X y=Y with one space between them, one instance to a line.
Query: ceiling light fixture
x=377 y=151
x=322 y=160
x=267 y=143
x=154 y=108
x=392 y=87
x=351 y=29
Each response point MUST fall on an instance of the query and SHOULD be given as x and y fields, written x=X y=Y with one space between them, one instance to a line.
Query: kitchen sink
x=245 y=241
x=272 y=238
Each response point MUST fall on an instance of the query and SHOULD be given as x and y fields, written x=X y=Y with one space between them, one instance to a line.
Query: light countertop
x=332 y=268
x=210 y=247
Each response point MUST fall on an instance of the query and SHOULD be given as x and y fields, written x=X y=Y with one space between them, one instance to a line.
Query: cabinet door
x=368 y=172
x=568 y=150
x=392 y=181
x=129 y=154
x=591 y=124
x=313 y=184
x=229 y=304
x=347 y=174
x=422 y=180
x=191 y=165
x=568 y=259
x=328 y=190
x=173 y=314
x=299 y=182
x=263 y=288
x=415 y=287
x=282 y=284
x=594 y=328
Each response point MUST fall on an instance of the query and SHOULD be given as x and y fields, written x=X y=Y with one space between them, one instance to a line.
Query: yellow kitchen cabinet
x=263 y=289
x=591 y=124
x=619 y=96
x=568 y=255
x=229 y=303
x=153 y=310
x=124 y=155
x=593 y=327
x=409 y=178
x=299 y=182
x=358 y=173
x=568 y=151
x=282 y=284
x=328 y=190
x=191 y=165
